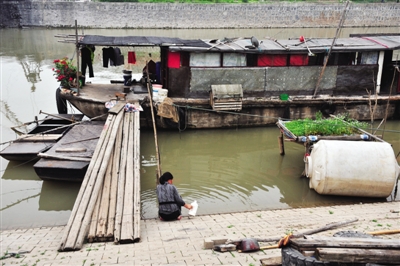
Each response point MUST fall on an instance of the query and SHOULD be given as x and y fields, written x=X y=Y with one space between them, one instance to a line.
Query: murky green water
x=224 y=170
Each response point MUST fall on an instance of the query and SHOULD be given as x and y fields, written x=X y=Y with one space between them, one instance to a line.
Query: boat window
x=205 y=60
x=342 y=59
x=185 y=59
x=367 y=58
x=272 y=60
x=251 y=60
x=316 y=59
x=233 y=59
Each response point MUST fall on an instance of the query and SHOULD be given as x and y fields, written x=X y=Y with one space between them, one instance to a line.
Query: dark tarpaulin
x=100 y=40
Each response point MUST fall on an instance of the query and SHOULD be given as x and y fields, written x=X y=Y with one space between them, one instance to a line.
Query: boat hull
x=27 y=147
x=256 y=111
x=79 y=143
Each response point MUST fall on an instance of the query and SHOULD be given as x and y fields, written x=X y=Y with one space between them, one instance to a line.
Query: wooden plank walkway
x=107 y=207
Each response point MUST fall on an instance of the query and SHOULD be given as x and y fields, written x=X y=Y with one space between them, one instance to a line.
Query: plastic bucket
x=156 y=86
x=155 y=95
x=284 y=96
x=127 y=79
x=162 y=94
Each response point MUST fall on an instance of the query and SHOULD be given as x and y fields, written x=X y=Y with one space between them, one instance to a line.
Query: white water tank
x=352 y=168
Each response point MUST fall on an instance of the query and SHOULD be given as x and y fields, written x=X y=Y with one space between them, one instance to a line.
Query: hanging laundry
x=87 y=54
x=131 y=57
x=119 y=58
x=108 y=55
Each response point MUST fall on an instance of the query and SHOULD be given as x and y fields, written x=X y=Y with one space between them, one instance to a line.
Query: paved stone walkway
x=182 y=242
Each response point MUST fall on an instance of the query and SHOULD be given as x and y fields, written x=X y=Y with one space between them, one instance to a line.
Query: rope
x=375 y=41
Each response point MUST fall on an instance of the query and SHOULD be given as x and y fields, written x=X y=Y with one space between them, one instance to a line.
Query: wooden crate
x=227 y=97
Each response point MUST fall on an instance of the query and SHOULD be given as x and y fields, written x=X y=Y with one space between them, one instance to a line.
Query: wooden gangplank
x=107 y=207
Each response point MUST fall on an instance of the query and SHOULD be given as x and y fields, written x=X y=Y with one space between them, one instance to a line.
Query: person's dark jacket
x=169 y=199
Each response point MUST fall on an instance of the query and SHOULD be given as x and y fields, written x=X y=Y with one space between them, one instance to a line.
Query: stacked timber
x=107 y=207
x=350 y=249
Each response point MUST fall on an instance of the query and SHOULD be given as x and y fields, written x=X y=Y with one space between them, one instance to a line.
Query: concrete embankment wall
x=174 y=15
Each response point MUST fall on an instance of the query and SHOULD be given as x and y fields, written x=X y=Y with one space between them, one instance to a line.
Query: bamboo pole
x=154 y=125
x=77 y=55
x=330 y=49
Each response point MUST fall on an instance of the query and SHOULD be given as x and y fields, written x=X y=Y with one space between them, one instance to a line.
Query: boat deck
x=107 y=92
x=79 y=142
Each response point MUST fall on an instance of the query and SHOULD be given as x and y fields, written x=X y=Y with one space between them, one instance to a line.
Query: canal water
x=230 y=170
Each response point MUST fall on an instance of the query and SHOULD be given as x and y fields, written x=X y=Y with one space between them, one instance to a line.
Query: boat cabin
x=269 y=67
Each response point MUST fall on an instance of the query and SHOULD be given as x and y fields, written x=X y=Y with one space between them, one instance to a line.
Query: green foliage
x=327 y=127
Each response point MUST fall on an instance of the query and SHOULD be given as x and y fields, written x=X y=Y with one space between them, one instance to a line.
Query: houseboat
x=244 y=82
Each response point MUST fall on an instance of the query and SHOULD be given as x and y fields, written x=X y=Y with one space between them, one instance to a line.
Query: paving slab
x=187 y=242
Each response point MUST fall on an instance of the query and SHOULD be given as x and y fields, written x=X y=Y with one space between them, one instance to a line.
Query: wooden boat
x=40 y=136
x=69 y=158
x=238 y=82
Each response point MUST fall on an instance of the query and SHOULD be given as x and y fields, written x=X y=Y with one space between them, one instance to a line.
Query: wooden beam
x=346 y=255
x=41 y=138
x=127 y=212
x=99 y=179
x=71 y=221
x=348 y=242
x=114 y=184
x=60 y=157
x=121 y=182
x=70 y=149
x=136 y=169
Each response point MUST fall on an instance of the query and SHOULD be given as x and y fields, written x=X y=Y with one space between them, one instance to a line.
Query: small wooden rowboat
x=41 y=135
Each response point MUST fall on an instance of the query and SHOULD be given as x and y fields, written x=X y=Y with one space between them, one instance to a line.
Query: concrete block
x=210 y=242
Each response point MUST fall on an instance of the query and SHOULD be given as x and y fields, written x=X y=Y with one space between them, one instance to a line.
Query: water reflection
x=32 y=71
x=231 y=170
x=58 y=196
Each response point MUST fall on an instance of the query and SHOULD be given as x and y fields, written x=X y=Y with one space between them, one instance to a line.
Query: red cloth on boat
x=131 y=57
x=174 y=59
x=298 y=60
x=272 y=60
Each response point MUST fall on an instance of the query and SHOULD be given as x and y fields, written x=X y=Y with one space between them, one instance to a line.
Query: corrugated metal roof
x=272 y=46
x=139 y=41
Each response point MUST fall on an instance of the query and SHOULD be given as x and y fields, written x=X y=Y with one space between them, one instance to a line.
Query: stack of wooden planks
x=107 y=207
x=350 y=249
